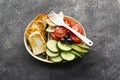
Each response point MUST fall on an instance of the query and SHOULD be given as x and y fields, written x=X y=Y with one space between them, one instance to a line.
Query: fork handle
x=83 y=38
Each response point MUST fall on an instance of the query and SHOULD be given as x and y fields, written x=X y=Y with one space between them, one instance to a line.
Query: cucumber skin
x=58 y=46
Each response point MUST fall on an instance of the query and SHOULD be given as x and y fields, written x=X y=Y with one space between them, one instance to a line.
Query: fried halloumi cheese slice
x=42 y=17
x=35 y=34
x=35 y=26
x=37 y=43
x=38 y=24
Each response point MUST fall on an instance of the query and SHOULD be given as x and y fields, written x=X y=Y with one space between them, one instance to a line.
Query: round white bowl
x=28 y=48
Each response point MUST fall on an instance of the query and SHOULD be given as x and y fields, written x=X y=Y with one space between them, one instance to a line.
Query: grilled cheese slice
x=35 y=26
x=35 y=34
x=37 y=43
x=42 y=17
x=38 y=24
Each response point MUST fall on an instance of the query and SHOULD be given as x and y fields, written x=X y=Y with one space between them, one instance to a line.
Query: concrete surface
x=101 y=20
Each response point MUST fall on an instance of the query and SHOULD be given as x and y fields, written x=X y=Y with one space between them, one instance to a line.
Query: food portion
x=37 y=43
x=57 y=43
x=62 y=33
x=35 y=34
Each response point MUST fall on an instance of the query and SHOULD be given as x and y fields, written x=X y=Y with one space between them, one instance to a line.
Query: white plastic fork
x=56 y=19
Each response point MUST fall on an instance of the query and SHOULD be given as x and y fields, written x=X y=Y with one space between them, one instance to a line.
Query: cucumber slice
x=67 y=56
x=63 y=47
x=78 y=49
x=76 y=53
x=51 y=54
x=83 y=46
x=51 y=45
x=83 y=51
x=56 y=59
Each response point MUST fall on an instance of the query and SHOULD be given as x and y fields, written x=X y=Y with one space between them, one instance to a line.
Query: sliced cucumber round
x=56 y=59
x=51 y=54
x=67 y=56
x=51 y=45
x=63 y=46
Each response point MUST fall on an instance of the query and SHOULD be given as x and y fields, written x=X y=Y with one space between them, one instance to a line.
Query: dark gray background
x=101 y=20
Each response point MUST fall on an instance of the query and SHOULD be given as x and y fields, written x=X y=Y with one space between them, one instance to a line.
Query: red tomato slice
x=76 y=26
x=68 y=21
x=75 y=38
x=59 y=32
x=53 y=36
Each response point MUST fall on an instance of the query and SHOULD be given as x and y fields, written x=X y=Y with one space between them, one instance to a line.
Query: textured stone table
x=101 y=20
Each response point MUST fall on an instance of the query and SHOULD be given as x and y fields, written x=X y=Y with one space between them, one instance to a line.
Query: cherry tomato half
x=59 y=32
x=76 y=26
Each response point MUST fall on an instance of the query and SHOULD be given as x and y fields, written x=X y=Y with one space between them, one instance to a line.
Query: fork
x=56 y=19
